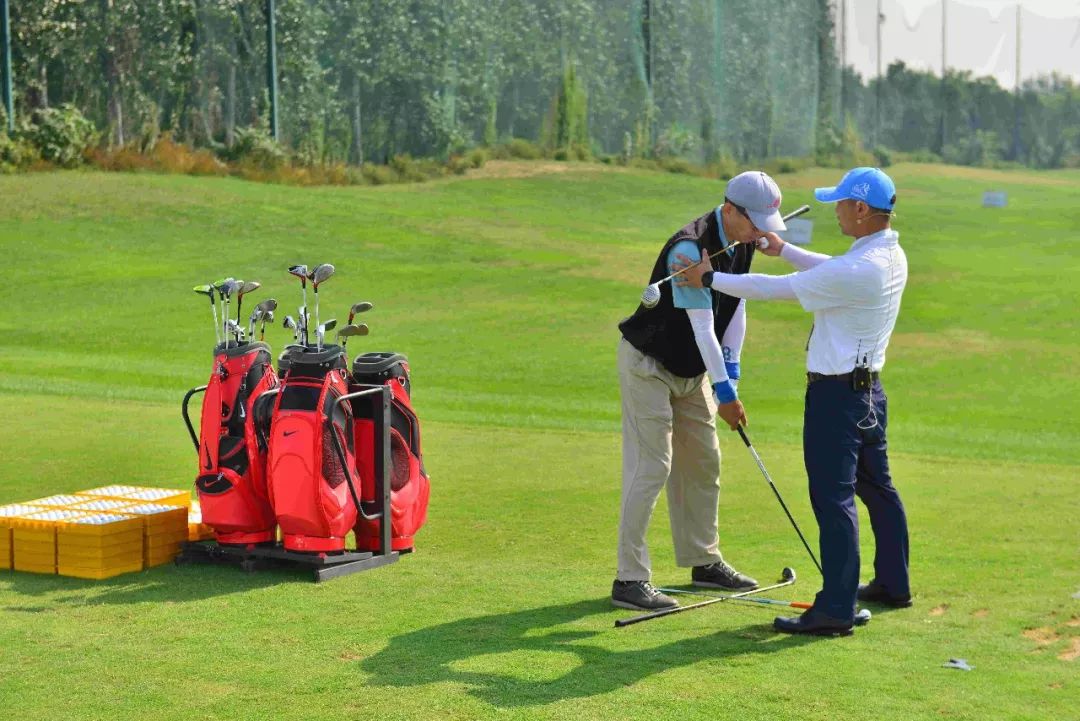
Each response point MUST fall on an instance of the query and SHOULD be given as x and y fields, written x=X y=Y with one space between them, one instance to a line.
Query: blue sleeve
x=684 y=296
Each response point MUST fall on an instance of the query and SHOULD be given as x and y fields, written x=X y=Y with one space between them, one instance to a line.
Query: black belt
x=812 y=377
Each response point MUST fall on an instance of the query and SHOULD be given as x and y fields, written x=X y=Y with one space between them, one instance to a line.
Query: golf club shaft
x=761 y=466
x=793 y=214
x=213 y=309
x=679 y=609
x=745 y=599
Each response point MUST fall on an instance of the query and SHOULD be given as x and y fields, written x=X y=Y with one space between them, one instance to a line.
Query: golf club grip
x=742 y=434
x=797 y=212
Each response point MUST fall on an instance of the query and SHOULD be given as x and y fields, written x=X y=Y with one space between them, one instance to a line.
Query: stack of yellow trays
x=164 y=496
x=7 y=516
x=164 y=529
x=99 y=545
x=197 y=530
x=33 y=538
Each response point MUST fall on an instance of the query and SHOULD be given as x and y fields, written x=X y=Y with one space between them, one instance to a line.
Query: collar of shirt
x=724 y=244
x=888 y=236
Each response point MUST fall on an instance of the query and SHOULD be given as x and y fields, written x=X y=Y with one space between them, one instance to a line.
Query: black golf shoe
x=873 y=593
x=640 y=596
x=721 y=575
x=813 y=623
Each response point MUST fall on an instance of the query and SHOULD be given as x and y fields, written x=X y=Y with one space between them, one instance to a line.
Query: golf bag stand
x=410 y=486
x=309 y=482
x=231 y=480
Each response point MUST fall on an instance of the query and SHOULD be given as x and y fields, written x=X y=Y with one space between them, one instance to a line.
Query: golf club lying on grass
x=862 y=617
x=740 y=599
x=783 y=505
x=787 y=577
x=651 y=295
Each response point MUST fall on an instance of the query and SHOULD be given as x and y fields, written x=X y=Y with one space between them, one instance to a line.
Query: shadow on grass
x=541 y=663
x=174 y=584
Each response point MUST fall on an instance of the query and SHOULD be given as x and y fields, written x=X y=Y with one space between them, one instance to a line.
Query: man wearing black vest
x=668 y=406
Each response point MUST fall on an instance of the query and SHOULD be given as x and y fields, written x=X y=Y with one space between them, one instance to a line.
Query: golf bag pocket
x=232 y=467
x=410 y=486
x=309 y=482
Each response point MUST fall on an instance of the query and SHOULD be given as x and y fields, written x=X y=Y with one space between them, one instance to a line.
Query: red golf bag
x=308 y=485
x=232 y=462
x=409 y=483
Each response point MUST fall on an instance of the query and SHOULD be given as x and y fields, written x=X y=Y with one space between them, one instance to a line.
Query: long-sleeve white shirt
x=855 y=299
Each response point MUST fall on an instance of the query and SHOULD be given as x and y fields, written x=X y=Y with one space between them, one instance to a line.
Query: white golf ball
x=763 y=243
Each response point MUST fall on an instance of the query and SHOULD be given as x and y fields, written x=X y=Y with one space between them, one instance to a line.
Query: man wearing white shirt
x=668 y=404
x=855 y=299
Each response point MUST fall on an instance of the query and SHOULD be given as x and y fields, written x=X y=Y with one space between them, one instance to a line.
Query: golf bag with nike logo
x=232 y=455
x=310 y=489
x=409 y=483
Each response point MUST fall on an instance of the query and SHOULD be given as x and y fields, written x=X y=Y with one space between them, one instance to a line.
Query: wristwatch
x=706 y=278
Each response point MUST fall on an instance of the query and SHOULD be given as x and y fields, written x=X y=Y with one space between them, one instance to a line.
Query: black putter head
x=788 y=574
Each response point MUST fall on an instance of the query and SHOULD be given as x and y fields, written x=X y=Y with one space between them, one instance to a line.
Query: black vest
x=664 y=331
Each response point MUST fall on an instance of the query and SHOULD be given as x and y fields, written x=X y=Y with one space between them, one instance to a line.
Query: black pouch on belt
x=861 y=378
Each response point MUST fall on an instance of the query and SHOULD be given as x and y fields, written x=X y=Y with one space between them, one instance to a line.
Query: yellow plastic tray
x=99 y=525
x=74 y=542
x=160 y=558
x=99 y=573
x=160 y=517
x=94 y=557
x=108 y=505
x=46 y=518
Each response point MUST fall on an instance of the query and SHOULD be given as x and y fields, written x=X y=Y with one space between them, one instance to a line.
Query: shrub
x=17 y=153
x=62 y=135
x=522 y=149
x=883 y=156
x=255 y=148
x=676 y=142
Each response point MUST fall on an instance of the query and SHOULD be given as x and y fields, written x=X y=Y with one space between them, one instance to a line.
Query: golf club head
x=204 y=290
x=301 y=272
x=289 y=322
x=329 y=325
x=268 y=317
x=361 y=307
x=353 y=330
x=651 y=296
x=249 y=286
x=321 y=273
x=788 y=574
x=267 y=305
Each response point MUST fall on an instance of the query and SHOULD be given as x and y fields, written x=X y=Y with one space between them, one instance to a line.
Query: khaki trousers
x=669 y=437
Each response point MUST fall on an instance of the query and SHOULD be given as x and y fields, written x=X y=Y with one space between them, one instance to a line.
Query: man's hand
x=692 y=277
x=774 y=246
x=732 y=413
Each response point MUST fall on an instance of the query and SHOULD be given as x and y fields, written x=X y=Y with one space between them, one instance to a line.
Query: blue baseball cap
x=869 y=185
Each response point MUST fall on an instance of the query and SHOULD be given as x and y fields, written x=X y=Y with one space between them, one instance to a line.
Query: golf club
x=261 y=310
x=783 y=505
x=361 y=307
x=323 y=327
x=208 y=290
x=351 y=330
x=231 y=326
x=740 y=599
x=225 y=289
x=320 y=274
x=290 y=323
x=301 y=272
x=246 y=288
x=651 y=295
x=862 y=616
x=301 y=323
x=268 y=317
x=787 y=577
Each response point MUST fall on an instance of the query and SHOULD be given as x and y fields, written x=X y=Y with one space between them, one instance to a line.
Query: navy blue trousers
x=843 y=461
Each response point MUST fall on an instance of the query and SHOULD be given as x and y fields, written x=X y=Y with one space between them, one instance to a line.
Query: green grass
x=504 y=292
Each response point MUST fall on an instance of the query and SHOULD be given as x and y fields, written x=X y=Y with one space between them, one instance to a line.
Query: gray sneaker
x=639 y=596
x=721 y=575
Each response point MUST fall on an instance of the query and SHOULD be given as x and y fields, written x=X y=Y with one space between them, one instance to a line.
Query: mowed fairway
x=504 y=291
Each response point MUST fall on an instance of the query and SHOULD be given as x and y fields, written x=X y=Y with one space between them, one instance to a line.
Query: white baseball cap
x=758 y=194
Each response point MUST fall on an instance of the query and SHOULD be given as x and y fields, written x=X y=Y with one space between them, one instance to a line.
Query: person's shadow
x=542 y=655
